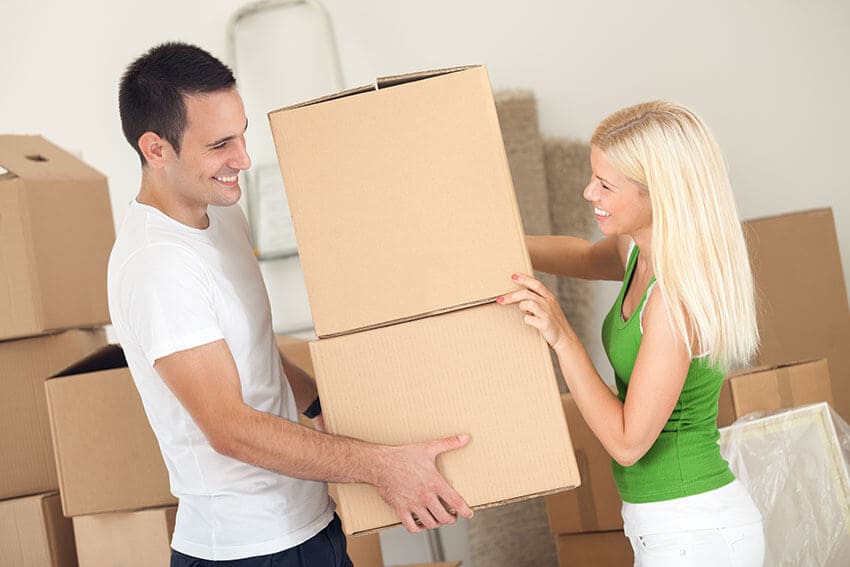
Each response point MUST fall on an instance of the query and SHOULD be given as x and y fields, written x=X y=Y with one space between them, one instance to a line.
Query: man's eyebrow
x=226 y=138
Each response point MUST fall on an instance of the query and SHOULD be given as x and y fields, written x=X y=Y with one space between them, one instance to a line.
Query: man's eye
x=219 y=146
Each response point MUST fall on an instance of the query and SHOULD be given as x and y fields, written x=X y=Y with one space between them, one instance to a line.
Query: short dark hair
x=151 y=95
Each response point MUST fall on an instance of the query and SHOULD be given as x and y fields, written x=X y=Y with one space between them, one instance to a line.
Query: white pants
x=742 y=546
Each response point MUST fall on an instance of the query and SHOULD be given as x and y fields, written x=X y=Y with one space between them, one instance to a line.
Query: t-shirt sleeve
x=167 y=299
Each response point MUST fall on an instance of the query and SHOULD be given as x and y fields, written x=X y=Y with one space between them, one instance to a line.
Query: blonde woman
x=685 y=313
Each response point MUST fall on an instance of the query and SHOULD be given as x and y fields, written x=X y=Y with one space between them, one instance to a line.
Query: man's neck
x=160 y=197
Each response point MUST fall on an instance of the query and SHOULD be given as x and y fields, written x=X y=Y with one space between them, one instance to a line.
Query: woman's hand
x=542 y=310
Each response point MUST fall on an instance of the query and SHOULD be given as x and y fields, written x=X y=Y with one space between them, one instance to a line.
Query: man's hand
x=408 y=480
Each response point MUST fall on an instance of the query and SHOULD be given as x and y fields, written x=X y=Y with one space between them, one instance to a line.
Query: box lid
x=33 y=157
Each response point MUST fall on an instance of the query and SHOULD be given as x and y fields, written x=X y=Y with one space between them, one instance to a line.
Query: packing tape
x=783 y=385
x=584 y=493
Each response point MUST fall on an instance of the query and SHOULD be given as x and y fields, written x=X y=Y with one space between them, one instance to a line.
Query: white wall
x=770 y=76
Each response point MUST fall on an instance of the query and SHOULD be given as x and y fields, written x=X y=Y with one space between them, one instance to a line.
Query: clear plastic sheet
x=795 y=464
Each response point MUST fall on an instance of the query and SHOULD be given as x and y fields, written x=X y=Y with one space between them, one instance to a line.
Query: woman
x=685 y=313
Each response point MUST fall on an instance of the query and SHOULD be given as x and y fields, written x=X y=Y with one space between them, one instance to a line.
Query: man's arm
x=206 y=381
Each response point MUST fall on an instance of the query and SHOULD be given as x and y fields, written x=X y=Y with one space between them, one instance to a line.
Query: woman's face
x=621 y=206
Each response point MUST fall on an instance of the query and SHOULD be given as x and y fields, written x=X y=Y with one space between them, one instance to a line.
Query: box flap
x=334 y=96
x=33 y=157
x=392 y=80
x=105 y=358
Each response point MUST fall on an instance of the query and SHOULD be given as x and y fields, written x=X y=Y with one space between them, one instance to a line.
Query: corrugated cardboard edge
x=479 y=507
x=766 y=367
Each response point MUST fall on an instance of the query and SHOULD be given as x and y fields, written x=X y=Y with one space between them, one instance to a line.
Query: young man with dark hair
x=191 y=311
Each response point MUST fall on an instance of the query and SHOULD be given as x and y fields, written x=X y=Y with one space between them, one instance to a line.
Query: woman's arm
x=578 y=258
x=627 y=431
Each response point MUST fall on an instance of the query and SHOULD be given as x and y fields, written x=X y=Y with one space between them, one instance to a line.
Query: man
x=191 y=311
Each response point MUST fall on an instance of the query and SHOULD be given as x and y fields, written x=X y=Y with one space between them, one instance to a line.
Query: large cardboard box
x=401 y=199
x=596 y=549
x=130 y=539
x=480 y=371
x=143 y=538
x=803 y=300
x=107 y=456
x=771 y=388
x=55 y=238
x=34 y=533
x=365 y=551
x=26 y=451
x=596 y=504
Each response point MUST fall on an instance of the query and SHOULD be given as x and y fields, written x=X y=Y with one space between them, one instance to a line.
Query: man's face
x=212 y=150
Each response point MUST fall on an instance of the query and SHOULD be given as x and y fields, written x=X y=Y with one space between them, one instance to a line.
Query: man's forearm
x=274 y=443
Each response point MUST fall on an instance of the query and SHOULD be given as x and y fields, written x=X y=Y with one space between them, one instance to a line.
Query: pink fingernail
x=514 y=277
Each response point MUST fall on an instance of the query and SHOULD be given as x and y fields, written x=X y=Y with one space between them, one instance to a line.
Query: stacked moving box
x=55 y=235
x=408 y=229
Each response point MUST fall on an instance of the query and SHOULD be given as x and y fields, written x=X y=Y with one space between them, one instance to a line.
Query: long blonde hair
x=699 y=253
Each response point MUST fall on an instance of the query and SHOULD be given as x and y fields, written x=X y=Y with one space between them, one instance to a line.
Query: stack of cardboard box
x=408 y=229
x=56 y=231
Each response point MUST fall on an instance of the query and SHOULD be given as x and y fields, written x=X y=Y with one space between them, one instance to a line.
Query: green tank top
x=685 y=459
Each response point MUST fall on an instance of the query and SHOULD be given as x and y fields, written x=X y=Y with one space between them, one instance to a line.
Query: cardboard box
x=800 y=282
x=596 y=549
x=296 y=350
x=480 y=371
x=27 y=465
x=596 y=504
x=107 y=456
x=141 y=538
x=412 y=167
x=33 y=533
x=771 y=388
x=55 y=239
x=365 y=551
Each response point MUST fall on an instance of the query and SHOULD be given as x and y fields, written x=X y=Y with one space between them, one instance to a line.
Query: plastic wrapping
x=795 y=464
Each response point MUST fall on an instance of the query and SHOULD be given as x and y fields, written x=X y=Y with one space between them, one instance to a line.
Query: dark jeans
x=325 y=549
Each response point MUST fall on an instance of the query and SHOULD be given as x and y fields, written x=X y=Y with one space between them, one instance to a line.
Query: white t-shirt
x=171 y=288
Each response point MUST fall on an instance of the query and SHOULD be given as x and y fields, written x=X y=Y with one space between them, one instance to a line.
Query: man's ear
x=154 y=148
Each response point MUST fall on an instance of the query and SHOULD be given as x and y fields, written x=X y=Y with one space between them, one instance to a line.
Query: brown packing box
x=27 y=465
x=297 y=351
x=595 y=549
x=803 y=301
x=34 y=533
x=596 y=504
x=143 y=538
x=365 y=551
x=130 y=539
x=773 y=388
x=107 y=457
x=480 y=371
x=55 y=239
x=401 y=199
